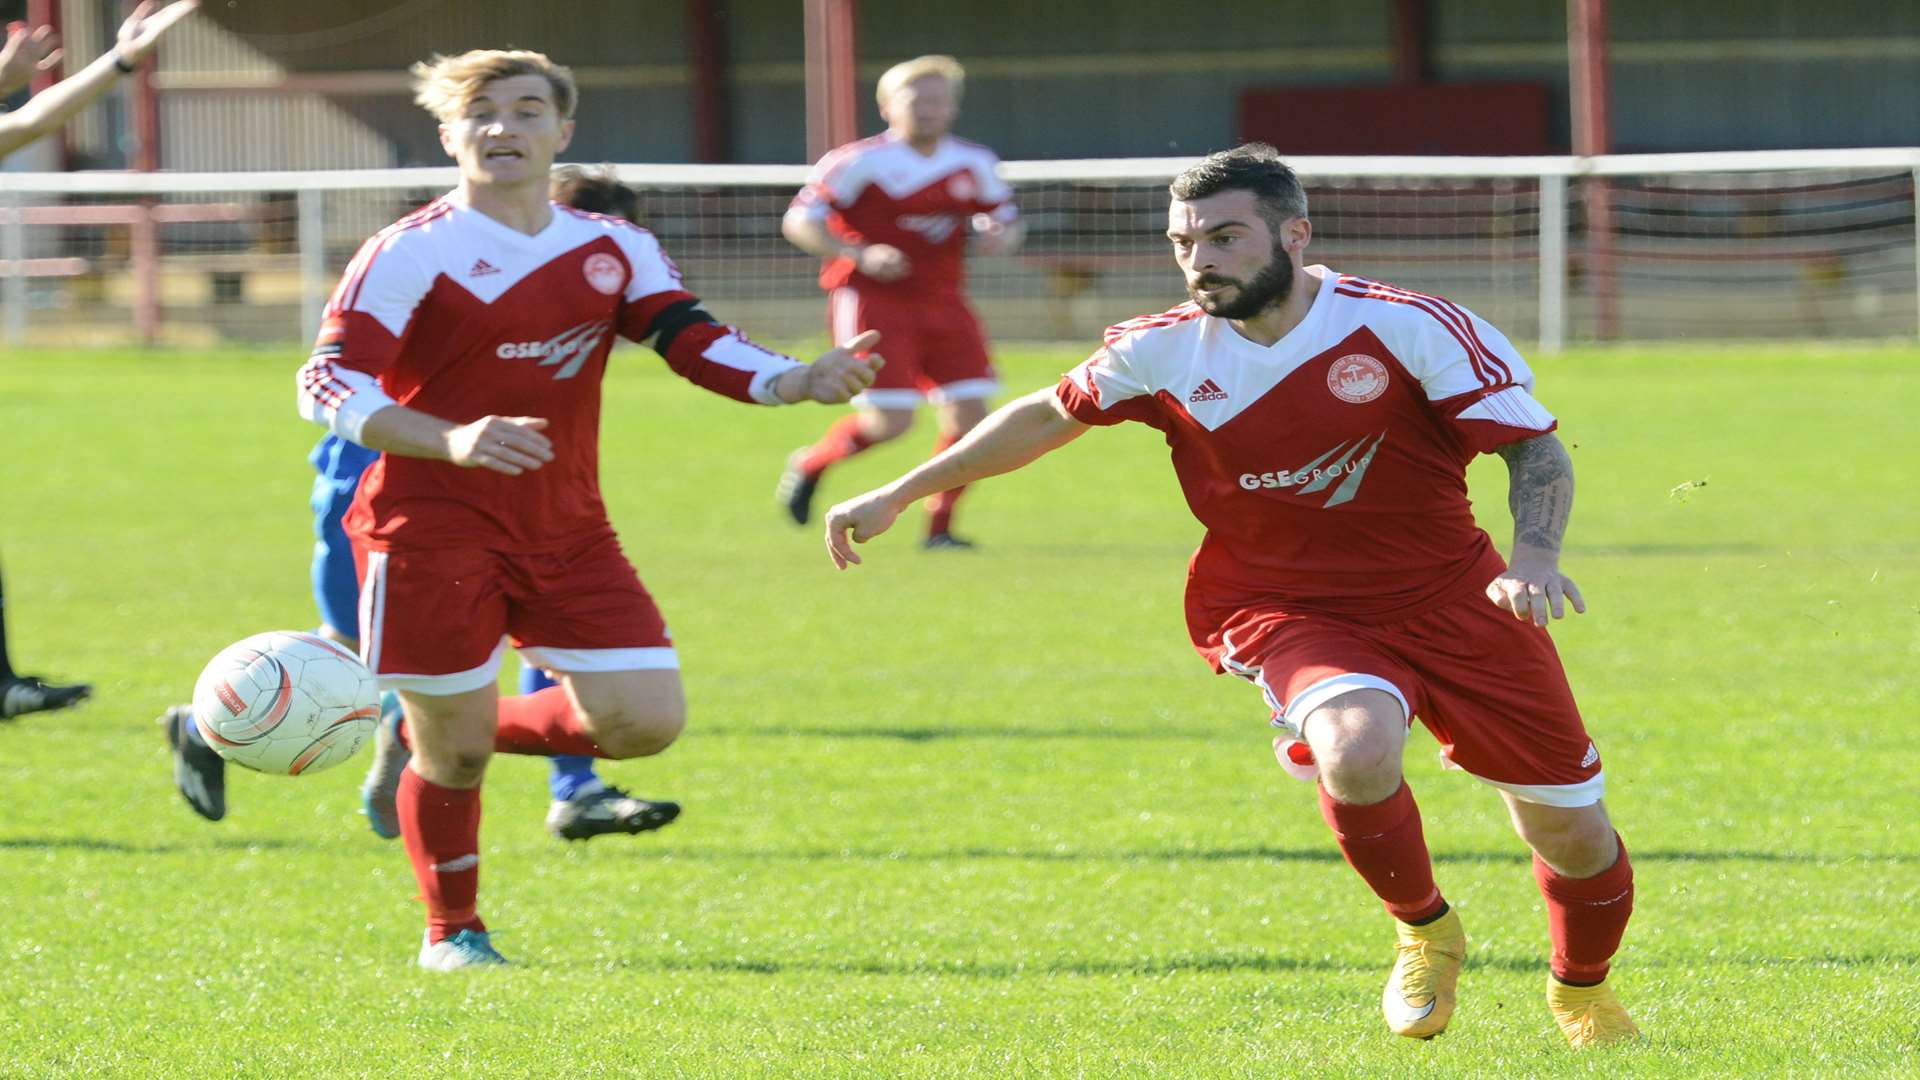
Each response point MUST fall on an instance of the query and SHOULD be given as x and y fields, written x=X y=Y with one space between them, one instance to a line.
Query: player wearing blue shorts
x=584 y=805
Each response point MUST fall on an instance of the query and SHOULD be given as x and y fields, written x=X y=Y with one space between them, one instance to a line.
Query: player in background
x=893 y=217
x=1320 y=425
x=28 y=51
x=467 y=343
x=584 y=806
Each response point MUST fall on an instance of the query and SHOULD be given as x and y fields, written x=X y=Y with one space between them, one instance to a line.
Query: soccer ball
x=286 y=702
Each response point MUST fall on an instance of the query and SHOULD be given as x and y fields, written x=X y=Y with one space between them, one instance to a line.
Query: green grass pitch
x=977 y=814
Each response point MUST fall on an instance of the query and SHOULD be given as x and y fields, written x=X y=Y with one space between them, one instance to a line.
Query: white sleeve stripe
x=737 y=352
x=1512 y=407
x=340 y=397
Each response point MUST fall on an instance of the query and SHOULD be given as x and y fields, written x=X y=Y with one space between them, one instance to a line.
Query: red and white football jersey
x=454 y=314
x=883 y=191
x=1330 y=467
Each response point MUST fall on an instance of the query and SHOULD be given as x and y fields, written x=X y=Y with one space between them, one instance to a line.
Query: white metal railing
x=1548 y=189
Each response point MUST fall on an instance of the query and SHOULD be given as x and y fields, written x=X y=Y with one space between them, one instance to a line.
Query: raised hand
x=504 y=444
x=142 y=30
x=843 y=371
x=28 y=51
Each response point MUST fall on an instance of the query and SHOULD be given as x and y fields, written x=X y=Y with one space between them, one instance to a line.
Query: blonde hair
x=445 y=84
x=920 y=67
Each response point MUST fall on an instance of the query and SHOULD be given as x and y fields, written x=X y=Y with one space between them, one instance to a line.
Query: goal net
x=1553 y=250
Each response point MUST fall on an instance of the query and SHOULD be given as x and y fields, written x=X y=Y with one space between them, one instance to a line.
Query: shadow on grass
x=1009 y=969
x=122 y=847
x=1673 y=549
x=934 y=734
x=1328 y=854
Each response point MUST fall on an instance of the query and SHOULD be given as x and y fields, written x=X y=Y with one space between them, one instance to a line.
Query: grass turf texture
x=970 y=813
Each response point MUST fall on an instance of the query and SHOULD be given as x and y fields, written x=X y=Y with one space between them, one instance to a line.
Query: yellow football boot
x=1418 y=1000
x=1589 y=1015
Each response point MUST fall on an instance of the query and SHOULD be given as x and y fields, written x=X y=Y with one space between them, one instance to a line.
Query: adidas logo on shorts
x=481 y=268
x=1593 y=755
x=1208 y=390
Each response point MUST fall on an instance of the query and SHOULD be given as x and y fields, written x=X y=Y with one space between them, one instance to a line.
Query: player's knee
x=1357 y=740
x=881 y=425
x=471 y=764
x=638 y=728
x=1578 y=842
x=453 y=766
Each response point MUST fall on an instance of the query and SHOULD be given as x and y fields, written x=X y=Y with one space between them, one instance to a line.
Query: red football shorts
x=1487 y=685
x=934 y=347
x=433 y=621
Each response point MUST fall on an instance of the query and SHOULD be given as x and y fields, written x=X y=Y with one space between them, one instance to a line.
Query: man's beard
x=1272 y=285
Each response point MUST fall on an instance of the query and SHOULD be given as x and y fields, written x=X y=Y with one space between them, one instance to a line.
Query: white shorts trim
x=843 y=315
x=1327 y=689
x=1569 y=795
x=887 y=399
x=373 y=608
x=963 y=390
x=655 y=658
x=445 y=685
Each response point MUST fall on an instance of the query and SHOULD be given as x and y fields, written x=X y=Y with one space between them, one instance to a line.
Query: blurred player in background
x=467 y=343
x=27 y=52
x=584 y=806
x=1321 y=425
x=893 y=217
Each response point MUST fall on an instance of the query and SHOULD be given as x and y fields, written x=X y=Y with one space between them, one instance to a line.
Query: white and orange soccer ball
x=286 y=702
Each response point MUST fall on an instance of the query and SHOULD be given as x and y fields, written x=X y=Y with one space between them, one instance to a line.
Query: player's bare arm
x=1016 y=434
x=505 y=444
x=836 y=376
x=881 y=262
x=51 y=108
x=1540 y=495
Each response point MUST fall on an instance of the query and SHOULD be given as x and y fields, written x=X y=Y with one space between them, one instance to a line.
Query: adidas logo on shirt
x=481 y=268
x=1208 y=390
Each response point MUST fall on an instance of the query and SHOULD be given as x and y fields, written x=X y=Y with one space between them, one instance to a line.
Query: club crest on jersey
x=961 y=187
x=1357 y=378
x=605 y=273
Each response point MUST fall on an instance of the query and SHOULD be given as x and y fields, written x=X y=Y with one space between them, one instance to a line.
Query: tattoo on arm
x=1539 y=491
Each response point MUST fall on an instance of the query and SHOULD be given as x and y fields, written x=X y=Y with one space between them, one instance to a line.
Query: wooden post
x=1588 y=95
x=712 y=99
x=832 y=71
x=145 y=242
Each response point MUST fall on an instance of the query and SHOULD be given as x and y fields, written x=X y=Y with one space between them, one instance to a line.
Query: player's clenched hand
x=883 y=262
x=857 y=521
x=505 y=444
x=27 y=52
x=992 y=237
x=1535 y=591
x=842 y=372
x=142 y=30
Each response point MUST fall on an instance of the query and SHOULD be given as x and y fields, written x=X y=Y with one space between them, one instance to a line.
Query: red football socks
x=1384 y=843
x=441 y=829
x=1585 y=917
x=543 y=724
x=940 y=507
x=540 y=724
x=843 y=440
